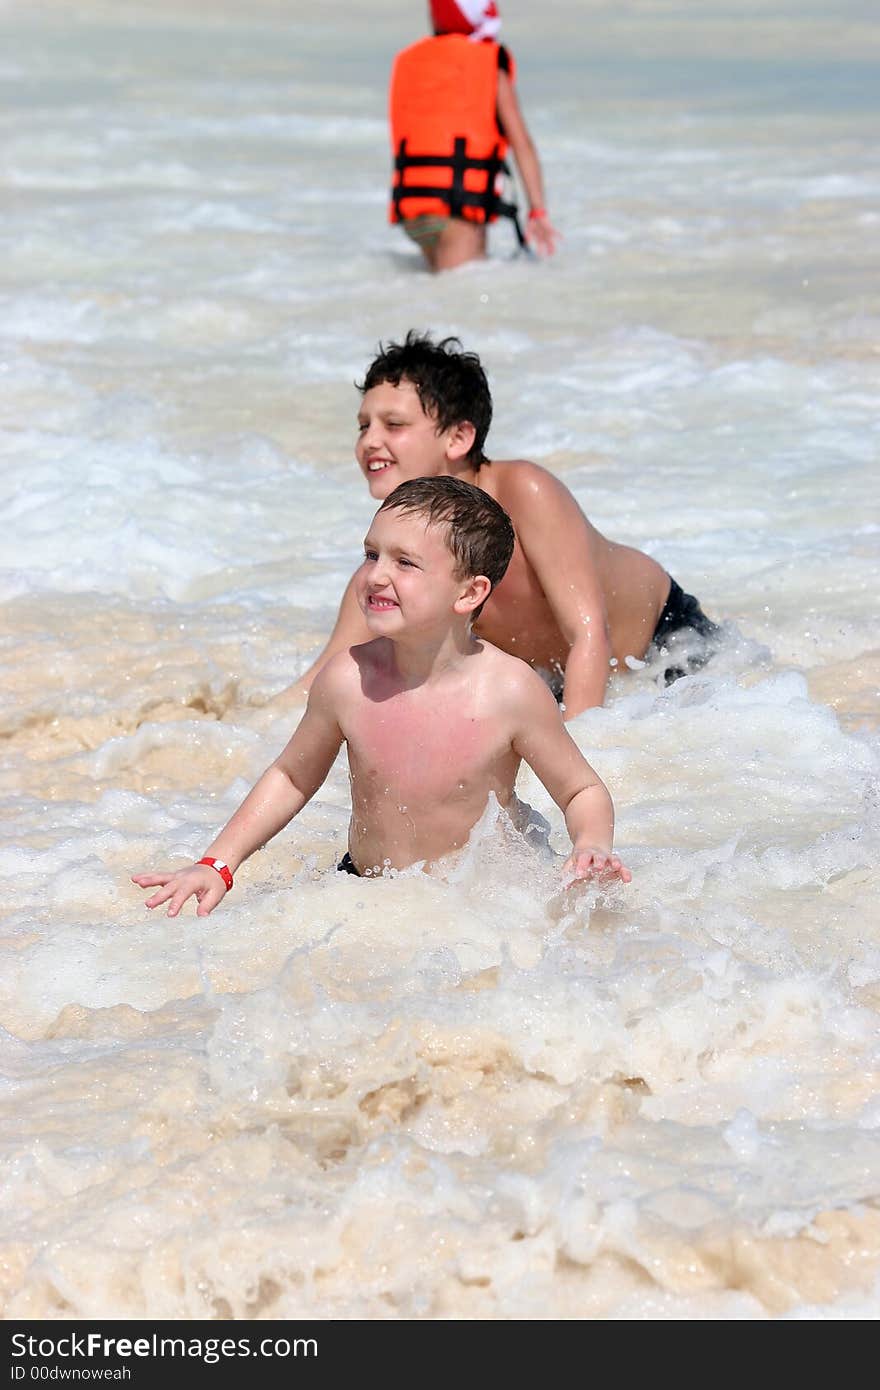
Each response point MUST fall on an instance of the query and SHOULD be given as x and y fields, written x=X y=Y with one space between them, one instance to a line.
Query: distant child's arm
x=350 y=629
x=540 y=231
x=545 y=744
x=277 y=797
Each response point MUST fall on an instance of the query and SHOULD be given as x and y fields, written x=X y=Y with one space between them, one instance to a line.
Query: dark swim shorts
x=681 y=616
x=346 y=865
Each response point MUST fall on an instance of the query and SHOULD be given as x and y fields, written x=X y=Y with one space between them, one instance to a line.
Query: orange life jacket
x=448 y=149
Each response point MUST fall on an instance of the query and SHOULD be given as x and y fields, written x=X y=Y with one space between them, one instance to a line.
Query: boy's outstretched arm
x=542 y=741
x=277 y=797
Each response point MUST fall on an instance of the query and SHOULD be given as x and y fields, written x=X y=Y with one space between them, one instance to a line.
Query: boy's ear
x=476 y=590
x=460 y=440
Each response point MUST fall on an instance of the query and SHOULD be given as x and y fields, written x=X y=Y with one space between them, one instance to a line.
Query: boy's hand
x=199 y=881
x=541 y=235
x=590 y=863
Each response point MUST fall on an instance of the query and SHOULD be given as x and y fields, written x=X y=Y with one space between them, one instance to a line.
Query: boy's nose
x=377 y=576
x=371 y=436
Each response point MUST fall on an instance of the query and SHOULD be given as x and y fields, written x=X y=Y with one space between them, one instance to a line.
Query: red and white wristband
x=223 y=870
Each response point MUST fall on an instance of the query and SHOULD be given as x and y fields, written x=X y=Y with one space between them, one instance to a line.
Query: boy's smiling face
x=398 y=440
x=407 y=582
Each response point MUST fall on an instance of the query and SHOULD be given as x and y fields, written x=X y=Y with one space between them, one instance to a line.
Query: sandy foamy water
x=413 y=1098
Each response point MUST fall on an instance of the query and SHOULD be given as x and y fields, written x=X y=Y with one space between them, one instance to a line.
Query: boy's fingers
x=585 y=864
x=614 y=869
x=620 y=870
x=178 y=887
x=178 y=899
x=594 y=864
x=582 y=868
x=158 y=898
x=209 y=900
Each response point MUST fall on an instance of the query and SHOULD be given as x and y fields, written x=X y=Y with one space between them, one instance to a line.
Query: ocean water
x=416 y=1098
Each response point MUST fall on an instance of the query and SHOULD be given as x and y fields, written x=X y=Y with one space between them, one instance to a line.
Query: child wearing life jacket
x=454 y=113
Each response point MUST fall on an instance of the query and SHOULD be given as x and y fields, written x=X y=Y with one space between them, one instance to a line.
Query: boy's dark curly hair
x=450 y=382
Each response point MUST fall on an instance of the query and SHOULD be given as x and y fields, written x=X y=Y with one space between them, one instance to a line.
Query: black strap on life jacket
x=456 y=196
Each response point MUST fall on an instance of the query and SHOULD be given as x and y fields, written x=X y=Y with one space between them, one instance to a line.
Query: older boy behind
x=434 y=719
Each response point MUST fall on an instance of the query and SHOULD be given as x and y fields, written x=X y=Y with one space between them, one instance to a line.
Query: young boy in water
x=434 y=719
x=573 y=604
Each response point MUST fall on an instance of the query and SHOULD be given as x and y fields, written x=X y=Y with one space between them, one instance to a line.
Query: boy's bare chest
x=423 y=753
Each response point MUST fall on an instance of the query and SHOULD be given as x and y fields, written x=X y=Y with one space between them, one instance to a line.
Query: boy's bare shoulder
x=348 y=666
x=512 y=681
x=522 y=482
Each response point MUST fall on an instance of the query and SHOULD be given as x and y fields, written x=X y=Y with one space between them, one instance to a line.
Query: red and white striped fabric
x=479 y=19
